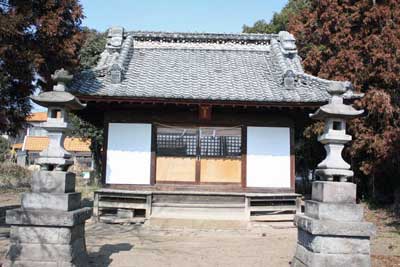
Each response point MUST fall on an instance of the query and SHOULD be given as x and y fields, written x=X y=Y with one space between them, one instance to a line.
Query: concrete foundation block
x=337 y=192
x=48 y=217
x=46 y=252
x=333 y=244
x=80 y=261
x=332 y=228
x=46 y=235
x=310 y=259
x=334 y=211
x=51 y=201
x=125 y=213
x=53 y=182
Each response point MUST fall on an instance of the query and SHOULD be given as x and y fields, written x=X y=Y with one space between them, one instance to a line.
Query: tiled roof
x=39 y=143
x=77 y=144
x=227 y=67
x=37 y=117
x=17 y=146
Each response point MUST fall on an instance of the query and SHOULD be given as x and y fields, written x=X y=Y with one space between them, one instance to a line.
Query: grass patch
x=14 y=177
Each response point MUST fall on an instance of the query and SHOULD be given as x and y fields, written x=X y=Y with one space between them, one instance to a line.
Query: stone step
x=51 y=201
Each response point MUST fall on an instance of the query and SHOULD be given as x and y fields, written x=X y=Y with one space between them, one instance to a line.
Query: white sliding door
x=268 y=157
x=128 y=153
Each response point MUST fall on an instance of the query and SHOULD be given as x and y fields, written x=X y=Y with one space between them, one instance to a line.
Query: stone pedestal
x=332 y=232
x=49 y=228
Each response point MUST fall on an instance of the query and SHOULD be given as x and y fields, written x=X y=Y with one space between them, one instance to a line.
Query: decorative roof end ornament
x=115 y=73
x=289 y=80
x=115 y=37
x=288 y=42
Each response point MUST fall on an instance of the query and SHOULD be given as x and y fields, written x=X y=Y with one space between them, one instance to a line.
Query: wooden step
x=272 y=218
x=272 y=208
x=122 y=205
x=199 y=205
x=272 y=200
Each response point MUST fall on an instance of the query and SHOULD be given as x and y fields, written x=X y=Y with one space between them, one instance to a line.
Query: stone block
x=51 y=201
x=332 y=228
x=333 y=244
x=334 y=211
x=46 y=252
x=46 y=235
x=19 y=263
x=337 y=192
x=125 y=213
x=48 y=217
x=53 y=182
x=310 y=259
x=78 y=262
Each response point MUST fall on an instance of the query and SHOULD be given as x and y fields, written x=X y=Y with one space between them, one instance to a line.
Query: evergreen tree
x=359 y=41
x=279 y=20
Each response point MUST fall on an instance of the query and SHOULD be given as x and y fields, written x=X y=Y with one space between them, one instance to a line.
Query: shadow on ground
x=103 y=256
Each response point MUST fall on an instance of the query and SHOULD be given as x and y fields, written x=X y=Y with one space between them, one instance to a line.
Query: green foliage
x=4 y=149
x=88 y=131
x=92 y=48
x=89 y=55
x=279 y=20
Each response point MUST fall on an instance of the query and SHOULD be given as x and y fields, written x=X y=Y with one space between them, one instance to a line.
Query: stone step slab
x=334 y=228
x=307 y=258
x=335 y=192
x=46 y=252
x=51 y=201
x=333 y=244
x=48 y=217
x=334 y=211
x=47 y=235
x=53 y=182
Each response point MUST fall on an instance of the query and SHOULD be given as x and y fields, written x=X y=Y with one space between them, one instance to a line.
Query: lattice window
x=221 y=146
x=206 y=142
x=176 y=142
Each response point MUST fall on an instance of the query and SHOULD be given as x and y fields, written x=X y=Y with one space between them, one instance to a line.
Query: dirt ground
x=207 y=243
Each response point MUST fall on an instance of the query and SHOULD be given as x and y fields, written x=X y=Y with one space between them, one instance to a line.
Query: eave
x=198 y=102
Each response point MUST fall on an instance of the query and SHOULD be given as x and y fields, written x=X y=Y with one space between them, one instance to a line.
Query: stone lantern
x=335 y=114
x=58 y=102
x=49 y=228
x=332 y=231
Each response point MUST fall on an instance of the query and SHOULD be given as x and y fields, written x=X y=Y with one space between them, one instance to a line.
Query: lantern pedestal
x=332 y=232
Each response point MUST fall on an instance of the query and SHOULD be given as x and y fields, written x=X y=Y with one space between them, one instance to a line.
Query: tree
x=4 y=149
x=93 y=46
x=89 y=55
x=360 y=41
x=37 y=38
x=279 y=20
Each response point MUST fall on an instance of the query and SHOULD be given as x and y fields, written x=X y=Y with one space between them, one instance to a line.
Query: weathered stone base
x=306 y=258
x=47 y=246
x=49 y=228
x=332 y=231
